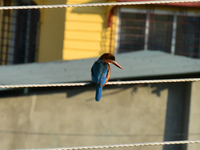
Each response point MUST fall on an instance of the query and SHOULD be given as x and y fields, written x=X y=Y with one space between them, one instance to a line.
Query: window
x=19 y=28
x=172 y=32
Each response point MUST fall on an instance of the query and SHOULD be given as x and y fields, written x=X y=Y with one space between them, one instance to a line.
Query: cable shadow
x=90 y=135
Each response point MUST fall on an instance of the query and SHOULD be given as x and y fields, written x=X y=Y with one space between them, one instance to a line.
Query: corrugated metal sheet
x=135 y=64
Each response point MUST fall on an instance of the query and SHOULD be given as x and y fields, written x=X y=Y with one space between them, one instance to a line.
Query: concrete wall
x=71 y=117
x=194 y=122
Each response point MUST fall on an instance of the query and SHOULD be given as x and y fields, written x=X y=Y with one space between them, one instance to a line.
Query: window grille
x=18 y=34
x=172 y=32
x=6 y=31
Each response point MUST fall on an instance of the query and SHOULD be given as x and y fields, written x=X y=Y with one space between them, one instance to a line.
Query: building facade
x=74 y=33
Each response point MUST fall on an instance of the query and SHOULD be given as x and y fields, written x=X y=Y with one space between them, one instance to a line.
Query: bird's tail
x=98 y=92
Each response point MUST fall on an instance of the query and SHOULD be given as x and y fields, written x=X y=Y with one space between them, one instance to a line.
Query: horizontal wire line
x=122 y=145
x=96 y=4
x=109 y=83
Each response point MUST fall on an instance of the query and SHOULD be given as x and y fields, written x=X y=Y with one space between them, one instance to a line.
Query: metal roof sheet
x=135 y=64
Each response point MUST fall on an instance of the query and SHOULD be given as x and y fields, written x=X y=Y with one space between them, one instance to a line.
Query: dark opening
x=19 y=34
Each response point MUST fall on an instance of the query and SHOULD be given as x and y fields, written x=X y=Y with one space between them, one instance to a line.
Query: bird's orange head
x=109 y=58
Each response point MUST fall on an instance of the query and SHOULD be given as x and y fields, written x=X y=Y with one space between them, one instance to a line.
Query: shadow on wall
x=102 y=12
x=177 y=106
x=177 y=112
x=155 y=89
x=117 y=89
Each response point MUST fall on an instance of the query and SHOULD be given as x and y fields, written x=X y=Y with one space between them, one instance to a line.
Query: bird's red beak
x=116 y=64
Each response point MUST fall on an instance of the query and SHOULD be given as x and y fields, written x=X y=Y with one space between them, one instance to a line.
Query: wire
x=122 y=145
x=109 y=83
x=97 y=4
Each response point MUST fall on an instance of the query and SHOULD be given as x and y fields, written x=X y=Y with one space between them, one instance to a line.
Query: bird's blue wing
x=95 y=72
x=99 y=72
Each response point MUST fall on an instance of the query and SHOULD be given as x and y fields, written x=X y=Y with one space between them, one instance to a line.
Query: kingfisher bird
x=101 y=72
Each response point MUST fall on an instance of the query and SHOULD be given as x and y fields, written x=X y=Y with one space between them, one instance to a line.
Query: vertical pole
x=117 y=35
x=146 y=31
x=173 y=42
x=27 y=46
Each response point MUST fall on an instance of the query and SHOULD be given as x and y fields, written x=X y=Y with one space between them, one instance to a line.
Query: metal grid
x=18 y=34
x=6 y=33
x=171 y=32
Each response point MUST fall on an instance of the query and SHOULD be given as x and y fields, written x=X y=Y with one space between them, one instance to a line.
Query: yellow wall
x=75 y=33
x=86 y=34
x=72 y=33
x=51 y=33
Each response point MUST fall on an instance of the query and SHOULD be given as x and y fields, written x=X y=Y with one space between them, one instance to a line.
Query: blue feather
x=99 y=72
x=99 y=76
x=98 y=92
